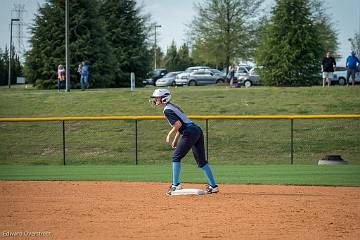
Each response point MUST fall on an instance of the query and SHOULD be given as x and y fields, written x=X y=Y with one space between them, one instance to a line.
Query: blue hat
x=353 y=53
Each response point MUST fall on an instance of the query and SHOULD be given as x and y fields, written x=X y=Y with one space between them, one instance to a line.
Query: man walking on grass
x=328 y=67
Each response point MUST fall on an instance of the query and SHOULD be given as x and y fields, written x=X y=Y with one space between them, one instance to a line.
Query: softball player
x=191 y=138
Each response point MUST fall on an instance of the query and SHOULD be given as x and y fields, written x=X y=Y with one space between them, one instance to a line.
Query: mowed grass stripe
x=267 y=174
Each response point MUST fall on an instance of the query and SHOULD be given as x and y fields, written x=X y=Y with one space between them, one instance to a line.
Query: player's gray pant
x=193 y=138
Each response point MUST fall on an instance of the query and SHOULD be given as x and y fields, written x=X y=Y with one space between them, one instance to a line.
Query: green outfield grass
x=267 y=174
x=207 y=100
x=240 y=142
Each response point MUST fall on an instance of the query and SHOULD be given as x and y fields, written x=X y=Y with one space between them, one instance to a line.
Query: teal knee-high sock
x=176 y=167
x=209 y=175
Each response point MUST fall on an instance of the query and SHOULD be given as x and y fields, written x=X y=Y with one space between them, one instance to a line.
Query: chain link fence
x=133 y=141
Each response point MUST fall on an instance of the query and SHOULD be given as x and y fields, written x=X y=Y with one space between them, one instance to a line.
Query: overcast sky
x=173 y=15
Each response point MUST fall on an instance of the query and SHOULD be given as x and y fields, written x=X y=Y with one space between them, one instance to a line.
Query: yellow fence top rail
x=192 y=117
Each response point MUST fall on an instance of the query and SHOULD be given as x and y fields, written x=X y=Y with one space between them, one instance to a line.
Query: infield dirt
x=129 y=210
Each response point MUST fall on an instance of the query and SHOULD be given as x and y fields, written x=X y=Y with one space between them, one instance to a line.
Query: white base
x=188 y=191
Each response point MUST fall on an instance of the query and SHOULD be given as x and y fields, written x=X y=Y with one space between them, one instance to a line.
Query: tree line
x=288 y=44
x=110 y=35
x=115 y=38
x=16 y=67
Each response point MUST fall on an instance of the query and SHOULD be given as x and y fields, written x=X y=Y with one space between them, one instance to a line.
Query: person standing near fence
x=191 y=138
x=231 y=75
x=352 y=64
x=61 y=77
x=328 y=67
x=84 y=80
x=79 y=72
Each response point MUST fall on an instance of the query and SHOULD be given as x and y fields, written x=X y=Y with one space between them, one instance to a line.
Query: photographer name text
x=25 y=234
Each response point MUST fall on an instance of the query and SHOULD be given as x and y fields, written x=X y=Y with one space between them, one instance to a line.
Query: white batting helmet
x=163 y=94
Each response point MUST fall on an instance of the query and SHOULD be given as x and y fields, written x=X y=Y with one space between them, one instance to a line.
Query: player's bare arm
x=175 y=129
x=176 y=139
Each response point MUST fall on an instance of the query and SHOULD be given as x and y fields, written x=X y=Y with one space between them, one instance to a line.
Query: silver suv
x=251 y=79
x=201 y=77
x=242 y=70
x=182 y=78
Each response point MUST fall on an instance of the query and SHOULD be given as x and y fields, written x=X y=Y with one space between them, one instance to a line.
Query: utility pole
x=67 y=51
x=156 y=26
x=10 y=52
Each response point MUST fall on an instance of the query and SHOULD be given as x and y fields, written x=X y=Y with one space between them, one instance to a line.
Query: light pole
x=156 y=26
x=10 y=56
x=67 y=50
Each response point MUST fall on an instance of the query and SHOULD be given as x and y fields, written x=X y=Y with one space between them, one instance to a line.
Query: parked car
x=219 y=73
x=340 y=77
x=183 y=77
x=242 y=70
x=200 y=77
x=251 y=79
x=154 y=75
x=167 y=80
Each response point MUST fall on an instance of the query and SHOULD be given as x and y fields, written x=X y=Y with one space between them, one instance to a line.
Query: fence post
x=207 y=139
x=136 y=142
x=292 y=142
x=63 y=128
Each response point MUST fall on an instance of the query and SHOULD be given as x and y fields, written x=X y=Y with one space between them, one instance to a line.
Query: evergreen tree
x=3 y=69
x=128 y=31
x=185 y=60
x=324 y=27
x=42 y=59
x=171 y=59
x=177 y=60
x=16 y=67
x=159 y=58
x=87 y=43
x=289 y=51
x=224 y=31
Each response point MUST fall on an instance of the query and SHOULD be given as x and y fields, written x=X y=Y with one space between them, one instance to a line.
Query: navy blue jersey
x=173 y=114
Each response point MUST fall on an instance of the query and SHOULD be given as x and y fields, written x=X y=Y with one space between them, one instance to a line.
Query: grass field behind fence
x=207 y=100
x=231 y=142
x=266 y=174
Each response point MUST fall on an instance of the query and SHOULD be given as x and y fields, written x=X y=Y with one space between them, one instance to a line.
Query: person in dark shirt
x=328 y=67
x=192 y=137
